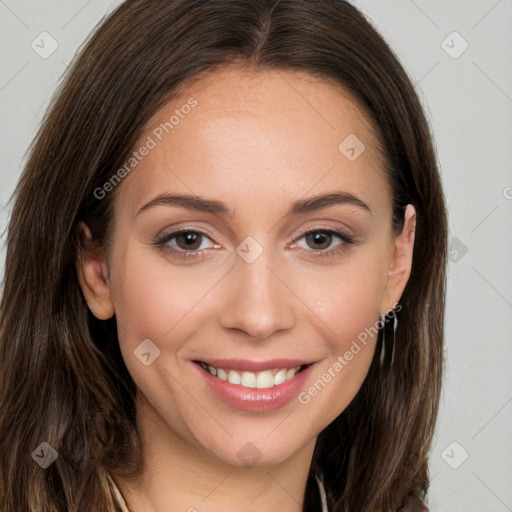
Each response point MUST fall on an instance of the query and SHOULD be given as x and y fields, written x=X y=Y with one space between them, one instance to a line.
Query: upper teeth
x=259 y=380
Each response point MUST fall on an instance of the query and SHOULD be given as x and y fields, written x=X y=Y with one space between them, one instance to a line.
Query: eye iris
x=317 y=237
x=190 y=239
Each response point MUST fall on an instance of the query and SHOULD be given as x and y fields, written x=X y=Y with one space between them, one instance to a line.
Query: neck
x=180 y=475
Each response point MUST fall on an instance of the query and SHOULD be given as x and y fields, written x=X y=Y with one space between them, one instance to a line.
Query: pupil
x=190 y=239
x=317 y=238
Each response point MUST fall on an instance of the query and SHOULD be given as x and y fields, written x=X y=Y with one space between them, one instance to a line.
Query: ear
x=400 y=264
x=93 y=275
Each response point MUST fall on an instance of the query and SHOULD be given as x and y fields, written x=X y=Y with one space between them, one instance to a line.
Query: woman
x=163 y=348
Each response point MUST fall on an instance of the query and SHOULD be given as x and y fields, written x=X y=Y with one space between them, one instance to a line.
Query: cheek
x=143 y=306
x=156 y=300
x=348 y=303
x=347 y=298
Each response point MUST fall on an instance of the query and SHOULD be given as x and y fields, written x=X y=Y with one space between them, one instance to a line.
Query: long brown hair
x=60 y=366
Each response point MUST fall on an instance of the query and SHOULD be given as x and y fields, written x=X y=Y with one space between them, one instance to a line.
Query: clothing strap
x=119 y=496
x=323 y=496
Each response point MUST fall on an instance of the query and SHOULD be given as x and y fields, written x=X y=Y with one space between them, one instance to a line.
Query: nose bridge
x=259 y=303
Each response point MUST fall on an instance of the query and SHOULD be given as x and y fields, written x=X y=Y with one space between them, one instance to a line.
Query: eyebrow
x=202 y=204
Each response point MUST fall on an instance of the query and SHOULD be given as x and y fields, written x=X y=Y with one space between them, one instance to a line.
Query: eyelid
x=337 y=231
x=195 y=229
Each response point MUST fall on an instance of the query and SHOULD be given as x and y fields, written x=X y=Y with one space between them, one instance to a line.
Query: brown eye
x=185 y=243
x=320 y=239
x=322 y=242
x=188 y=240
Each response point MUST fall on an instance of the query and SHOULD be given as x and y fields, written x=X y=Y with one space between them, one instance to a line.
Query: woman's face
x=269 y=167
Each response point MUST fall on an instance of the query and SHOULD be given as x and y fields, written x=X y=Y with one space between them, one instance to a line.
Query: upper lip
x=249 y=365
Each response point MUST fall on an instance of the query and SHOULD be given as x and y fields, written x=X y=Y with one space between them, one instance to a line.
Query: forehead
x=263 y=134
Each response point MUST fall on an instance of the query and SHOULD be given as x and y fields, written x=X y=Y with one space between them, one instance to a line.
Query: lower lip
x=253 y=399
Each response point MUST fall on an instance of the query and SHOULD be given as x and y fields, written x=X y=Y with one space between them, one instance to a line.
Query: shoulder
x=413 y=503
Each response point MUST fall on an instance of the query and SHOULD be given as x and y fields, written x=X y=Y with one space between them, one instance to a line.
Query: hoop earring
x=105 y=428
x=387 y=353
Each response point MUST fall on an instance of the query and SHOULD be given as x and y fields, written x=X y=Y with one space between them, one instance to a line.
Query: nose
x=258 y=299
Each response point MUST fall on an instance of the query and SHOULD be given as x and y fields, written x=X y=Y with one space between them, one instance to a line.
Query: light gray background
x=468 y=98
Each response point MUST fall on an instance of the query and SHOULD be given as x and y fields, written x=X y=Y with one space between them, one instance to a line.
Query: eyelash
x=162 y=242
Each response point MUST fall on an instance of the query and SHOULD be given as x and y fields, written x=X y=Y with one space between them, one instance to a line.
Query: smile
x=264 y=379
x=254 y=385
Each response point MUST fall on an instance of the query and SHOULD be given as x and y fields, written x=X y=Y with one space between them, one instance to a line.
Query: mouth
x=261 y=375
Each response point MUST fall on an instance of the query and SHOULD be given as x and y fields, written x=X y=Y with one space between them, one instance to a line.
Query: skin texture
x=257 y=141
